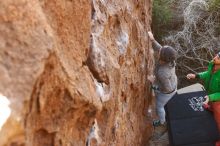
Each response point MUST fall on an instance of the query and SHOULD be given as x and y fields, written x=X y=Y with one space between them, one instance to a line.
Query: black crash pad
x=189 y=124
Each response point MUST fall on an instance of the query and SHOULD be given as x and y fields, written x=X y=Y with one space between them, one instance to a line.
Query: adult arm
x=214 y=96
x=202 y=75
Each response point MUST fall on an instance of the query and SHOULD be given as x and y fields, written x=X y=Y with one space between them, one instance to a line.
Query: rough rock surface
x=78 y=70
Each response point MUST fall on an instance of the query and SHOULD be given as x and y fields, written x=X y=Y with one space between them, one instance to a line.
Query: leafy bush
x=161 y=17
x=214 y=5
x=161 y=11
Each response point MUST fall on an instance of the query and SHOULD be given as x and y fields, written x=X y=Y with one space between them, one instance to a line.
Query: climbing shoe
x=156 y=123
x=159 y=130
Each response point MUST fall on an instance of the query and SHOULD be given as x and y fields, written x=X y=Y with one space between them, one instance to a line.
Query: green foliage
x=214 y=5
x=161 y=11
x=161 y=17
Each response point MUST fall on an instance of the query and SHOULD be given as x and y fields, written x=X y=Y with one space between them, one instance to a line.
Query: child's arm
x=156 y=46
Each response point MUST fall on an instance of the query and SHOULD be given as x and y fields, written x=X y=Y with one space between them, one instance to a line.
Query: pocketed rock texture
x=75 y=71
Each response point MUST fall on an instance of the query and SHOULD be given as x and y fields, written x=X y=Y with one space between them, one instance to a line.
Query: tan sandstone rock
x=75 y=71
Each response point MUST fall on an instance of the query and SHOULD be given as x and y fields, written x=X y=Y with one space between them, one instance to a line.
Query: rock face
x=80 y=67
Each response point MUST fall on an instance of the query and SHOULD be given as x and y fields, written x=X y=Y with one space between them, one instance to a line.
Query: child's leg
x=161 y=100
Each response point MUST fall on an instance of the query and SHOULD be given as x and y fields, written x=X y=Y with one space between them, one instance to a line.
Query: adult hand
x=191 y=76
x=151 y=36
x=206 y=99
x=151 y=78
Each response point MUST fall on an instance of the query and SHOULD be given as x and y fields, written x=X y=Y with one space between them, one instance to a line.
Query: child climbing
x=164 y=82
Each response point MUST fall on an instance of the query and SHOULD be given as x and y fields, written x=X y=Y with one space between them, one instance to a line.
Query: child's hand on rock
x=151 y=78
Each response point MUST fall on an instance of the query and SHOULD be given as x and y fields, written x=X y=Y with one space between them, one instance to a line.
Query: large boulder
x=75 y=71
